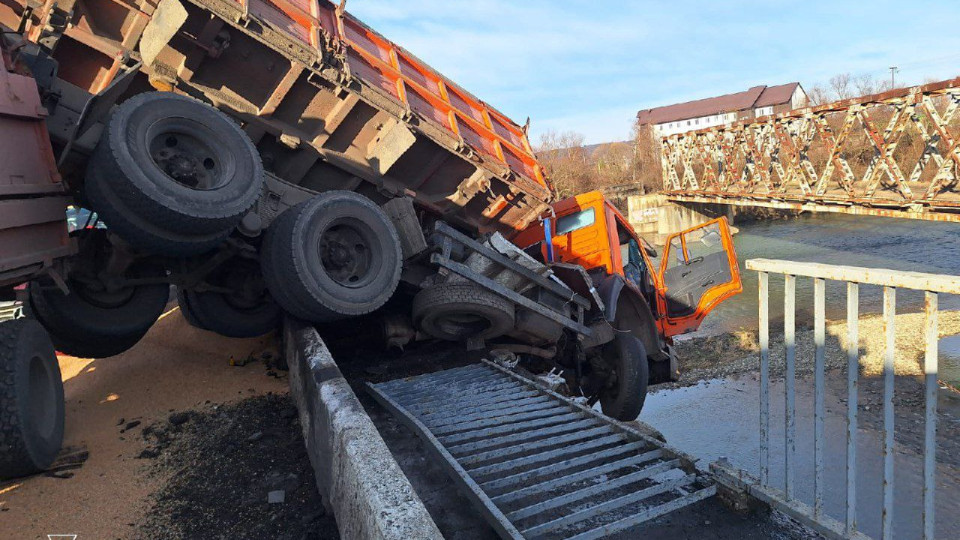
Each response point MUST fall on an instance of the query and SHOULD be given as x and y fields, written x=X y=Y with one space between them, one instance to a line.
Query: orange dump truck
x=271 y=157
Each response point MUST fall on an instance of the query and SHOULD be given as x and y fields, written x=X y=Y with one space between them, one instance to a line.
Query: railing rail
x=890 y=280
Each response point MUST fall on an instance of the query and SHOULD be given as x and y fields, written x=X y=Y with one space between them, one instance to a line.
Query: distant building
x=715 y=111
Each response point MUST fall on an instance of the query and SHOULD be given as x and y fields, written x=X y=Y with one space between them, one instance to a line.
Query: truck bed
x=33 y=230
x=330 y=103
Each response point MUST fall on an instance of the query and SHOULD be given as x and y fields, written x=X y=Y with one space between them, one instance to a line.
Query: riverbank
x=732 y=353
x=734 y=358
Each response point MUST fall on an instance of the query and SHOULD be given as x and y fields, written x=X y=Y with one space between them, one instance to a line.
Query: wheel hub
x=184 y=168
x=345 y=255
x=183 y=152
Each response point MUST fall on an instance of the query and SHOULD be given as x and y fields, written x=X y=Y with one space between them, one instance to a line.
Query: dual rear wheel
x=334 y=256
x=171 y=175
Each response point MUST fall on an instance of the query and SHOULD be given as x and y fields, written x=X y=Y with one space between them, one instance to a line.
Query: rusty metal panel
x=33 y=227
x=314 y=87
x=890 y=154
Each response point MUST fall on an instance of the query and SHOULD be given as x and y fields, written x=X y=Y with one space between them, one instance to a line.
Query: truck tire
x=332 y=257
x=95 y=321
x=460 y=311
x=187 y=310
x=176 y=168
x=281 y=289
x=31 y=399
x=90 y=328
x=248 y=312
x=622 y=398
x=140 y=232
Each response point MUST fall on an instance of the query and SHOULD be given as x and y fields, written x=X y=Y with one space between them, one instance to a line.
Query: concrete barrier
x=655 y=218
x=355 y=472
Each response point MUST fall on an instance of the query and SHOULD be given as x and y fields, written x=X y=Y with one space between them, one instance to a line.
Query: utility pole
x=893 y=77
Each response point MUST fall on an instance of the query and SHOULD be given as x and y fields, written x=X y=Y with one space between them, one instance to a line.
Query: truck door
x=699 y=270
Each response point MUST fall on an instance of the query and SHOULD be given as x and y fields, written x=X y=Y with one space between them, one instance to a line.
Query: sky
x=589 y=66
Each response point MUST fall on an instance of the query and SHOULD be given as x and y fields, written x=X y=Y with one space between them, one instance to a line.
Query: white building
x=715 y=111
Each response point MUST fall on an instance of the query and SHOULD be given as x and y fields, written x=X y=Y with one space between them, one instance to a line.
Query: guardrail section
x=890 y=280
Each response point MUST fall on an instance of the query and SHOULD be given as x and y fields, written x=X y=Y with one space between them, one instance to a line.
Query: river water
x=683 y=415
x=874 y=242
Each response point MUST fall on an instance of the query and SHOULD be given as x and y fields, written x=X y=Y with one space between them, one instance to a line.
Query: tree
x=818 y=95
x=563 y=156
x=840 y=84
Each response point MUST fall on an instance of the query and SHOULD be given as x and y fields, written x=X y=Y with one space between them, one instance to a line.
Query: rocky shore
x=739 y=352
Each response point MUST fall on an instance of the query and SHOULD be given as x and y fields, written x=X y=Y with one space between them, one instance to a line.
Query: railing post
x=853 y=378
x=818 y=383
x=930 y=425
x=764 y=299
x=789 y=344
x=889 y=326
x=821 y=518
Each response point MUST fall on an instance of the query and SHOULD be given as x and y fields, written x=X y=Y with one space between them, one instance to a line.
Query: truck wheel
x=95 y=324
x=187 y=310
x=95 y=321
x=280 y=289
x=31 y=399
x=176 y=168
x=332 y=257
x=623 y=396
x=459 y=311
x=141 y=232
x=247 y=312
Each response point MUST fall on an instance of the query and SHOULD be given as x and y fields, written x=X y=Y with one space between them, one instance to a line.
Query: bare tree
x=574 y=168
x=818 y=95
x=865 y=85
x=840 y=84
x=566 y=161
x=647 y=169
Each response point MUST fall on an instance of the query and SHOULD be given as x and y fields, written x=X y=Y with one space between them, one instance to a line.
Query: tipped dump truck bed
x=33 y=231
x=330 y=103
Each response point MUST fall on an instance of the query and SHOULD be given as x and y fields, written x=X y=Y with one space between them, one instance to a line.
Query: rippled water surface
x=898 y=244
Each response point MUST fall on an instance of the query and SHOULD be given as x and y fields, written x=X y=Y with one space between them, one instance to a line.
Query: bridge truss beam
x=894 y=154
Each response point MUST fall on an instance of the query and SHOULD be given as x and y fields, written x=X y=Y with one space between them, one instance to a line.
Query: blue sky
x=588 y=67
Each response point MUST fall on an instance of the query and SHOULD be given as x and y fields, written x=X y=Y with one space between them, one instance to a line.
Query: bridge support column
x=655 y=218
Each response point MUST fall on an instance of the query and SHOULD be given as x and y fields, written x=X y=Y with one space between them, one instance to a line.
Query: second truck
x=280 y=156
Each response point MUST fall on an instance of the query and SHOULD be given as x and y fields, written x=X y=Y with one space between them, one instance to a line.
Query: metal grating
x=536 y=464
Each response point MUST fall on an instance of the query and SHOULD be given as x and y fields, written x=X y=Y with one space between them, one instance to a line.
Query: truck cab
x=698 y=269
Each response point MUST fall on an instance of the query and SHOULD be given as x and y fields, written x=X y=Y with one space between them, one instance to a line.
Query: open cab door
x=699 y=270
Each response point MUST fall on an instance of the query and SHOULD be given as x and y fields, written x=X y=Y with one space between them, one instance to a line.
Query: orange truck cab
x=653 y=299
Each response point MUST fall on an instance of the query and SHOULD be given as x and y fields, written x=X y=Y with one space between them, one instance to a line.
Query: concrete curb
x=355 y=472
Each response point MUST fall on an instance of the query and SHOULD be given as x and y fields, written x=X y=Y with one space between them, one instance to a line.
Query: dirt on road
x=102 y=486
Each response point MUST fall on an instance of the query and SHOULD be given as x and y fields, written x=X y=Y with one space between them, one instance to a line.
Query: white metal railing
x=890 y=280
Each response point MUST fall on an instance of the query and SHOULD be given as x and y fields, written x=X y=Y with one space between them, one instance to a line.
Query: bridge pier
x=656 y=218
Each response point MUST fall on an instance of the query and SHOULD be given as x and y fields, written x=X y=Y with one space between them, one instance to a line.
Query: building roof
x=757 y=96
x=776 y=95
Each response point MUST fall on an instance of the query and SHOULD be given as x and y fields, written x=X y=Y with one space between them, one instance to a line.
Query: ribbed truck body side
x=33 y=231
x=330 y=103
